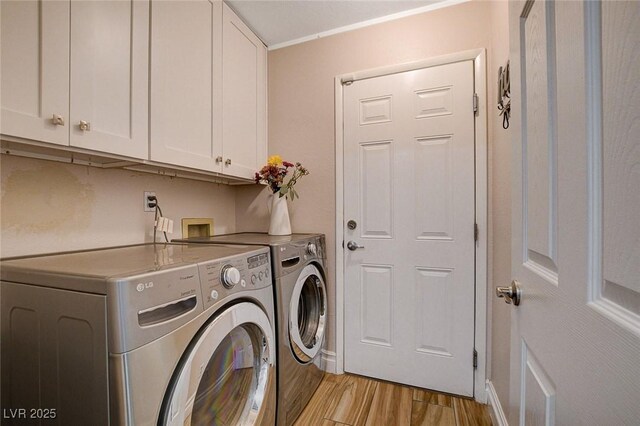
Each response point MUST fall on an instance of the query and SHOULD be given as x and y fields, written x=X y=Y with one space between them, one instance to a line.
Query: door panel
x=538 y=392
x=244 y=98
x=409 y=185
x=376 y=178
x=573 y=349
x=186 y=95
x=109 y=76
x=35 y=69
x=376 y=299
x=620 y=156
x=540 y=174
x=434 y=181
x=435 y=304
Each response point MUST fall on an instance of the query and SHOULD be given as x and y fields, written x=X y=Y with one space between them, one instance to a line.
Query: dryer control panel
x=221 y=278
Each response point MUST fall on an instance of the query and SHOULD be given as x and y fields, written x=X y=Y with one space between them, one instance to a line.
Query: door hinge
x=475 y=103
x=476 y=232
x=475 y=358
x=347 y=81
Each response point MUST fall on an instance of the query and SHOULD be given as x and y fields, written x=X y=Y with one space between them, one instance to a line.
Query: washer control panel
x=260 y=270
x=224 y=277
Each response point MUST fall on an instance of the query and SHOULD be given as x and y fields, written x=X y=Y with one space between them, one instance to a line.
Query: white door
x=575 y=344
x=244 y=128
x=35 y=70
x=409 y=187
x=186 y=77
x=110 y=76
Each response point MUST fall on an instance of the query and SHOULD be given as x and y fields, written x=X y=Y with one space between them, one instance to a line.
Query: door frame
x=335 y=361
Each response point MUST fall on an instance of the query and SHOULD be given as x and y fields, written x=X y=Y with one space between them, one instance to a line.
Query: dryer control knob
x=230 y=276
x=312 y=249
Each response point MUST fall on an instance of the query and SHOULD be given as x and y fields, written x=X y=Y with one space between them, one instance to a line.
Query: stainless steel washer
x=162 y=334
x=299 y=274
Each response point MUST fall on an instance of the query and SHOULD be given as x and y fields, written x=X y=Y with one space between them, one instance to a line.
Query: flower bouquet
x=274 y=174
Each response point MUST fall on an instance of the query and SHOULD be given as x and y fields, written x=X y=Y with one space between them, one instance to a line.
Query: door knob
x=511 y=294
x=85 y=126
x=227 y=162
x=353 y=246
x=57 y=120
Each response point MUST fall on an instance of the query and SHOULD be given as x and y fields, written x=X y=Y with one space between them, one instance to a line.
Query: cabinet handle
x=85 y=126
x=57 y=120
x=219 y=159
x=228 y=162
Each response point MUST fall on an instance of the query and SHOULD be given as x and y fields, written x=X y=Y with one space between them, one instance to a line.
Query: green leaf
x=283 y=191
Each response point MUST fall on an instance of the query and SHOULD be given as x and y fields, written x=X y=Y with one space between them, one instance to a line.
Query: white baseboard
x=497 y=414
x=329 y=361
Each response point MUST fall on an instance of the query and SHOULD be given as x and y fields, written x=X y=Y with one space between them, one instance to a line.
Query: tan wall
x=48 y=206
x=301 y=118
x=500 y=197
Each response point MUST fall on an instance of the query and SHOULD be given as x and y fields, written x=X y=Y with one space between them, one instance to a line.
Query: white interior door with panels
x=409 y=213
x=575 y=337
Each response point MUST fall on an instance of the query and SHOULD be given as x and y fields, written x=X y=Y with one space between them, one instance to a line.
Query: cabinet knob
x=219 y=159
x=85 y=126
x=228 y=162
x=57 y=120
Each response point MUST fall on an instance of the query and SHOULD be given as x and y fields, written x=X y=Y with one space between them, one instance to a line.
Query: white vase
x=280 y=223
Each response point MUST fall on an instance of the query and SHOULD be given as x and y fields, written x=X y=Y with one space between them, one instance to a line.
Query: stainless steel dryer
x=299 y=273
x=164 y=334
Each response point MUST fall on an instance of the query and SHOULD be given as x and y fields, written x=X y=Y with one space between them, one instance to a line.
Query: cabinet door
x=110 y=76
x=54 y=354
x=244 y=98
x=186 y=74
x=35 y=69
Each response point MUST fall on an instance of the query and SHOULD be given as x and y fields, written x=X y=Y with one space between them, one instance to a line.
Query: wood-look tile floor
x=354 y=400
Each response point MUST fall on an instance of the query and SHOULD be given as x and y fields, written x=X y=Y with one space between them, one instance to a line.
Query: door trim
x=478 y=56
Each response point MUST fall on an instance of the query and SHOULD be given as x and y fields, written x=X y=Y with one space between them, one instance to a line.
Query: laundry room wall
x=500 y=217
x=302 y=116
x=49 y=207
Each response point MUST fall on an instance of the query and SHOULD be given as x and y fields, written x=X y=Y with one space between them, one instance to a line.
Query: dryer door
x=307 y=314
x=227 y=376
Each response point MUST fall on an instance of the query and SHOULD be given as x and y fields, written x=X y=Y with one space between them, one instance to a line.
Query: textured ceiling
x=279 y=22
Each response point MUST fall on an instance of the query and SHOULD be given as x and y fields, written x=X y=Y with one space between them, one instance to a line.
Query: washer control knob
x=266 y=272
x=230 y=276
x=214 y=295
x=261 y=275
x=243 y=283
x=312 y=249
x=253 y=279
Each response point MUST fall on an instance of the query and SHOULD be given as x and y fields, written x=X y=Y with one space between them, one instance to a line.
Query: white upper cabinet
x=208 y=89
x=109 y=76
x=182 y=83
x=76 y=73
x=35 y=70
x=244 y=62
x=186 y=79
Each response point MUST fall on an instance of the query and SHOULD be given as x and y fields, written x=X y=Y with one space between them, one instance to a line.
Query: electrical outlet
x=146 y=201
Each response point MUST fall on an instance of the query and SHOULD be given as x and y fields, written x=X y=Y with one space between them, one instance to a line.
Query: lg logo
x=141 y=286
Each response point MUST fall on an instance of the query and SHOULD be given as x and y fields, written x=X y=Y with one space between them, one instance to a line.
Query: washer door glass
x=307 y=314
x=228 y=374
